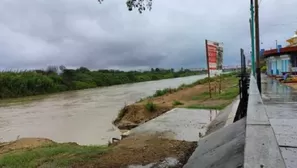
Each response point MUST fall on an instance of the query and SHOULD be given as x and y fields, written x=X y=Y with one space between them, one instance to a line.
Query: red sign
x=212 y=55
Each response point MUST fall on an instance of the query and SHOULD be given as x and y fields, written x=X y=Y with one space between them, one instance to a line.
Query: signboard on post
x=214 y=59
x=214 y=54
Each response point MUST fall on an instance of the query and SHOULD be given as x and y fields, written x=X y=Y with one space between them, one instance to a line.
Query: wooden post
x=220 y=84
x=207 y=62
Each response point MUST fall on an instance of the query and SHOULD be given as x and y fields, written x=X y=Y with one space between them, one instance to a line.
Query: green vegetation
x=56 y=155
x=264 y=69
x=228 y=94
x=177 y=103
x=220 y=100
x=150 y=106
x=211 y=107
x=164 y=91
x=29 y=83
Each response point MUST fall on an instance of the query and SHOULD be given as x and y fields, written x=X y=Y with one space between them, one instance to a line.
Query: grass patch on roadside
x=56 y=155
x=150 y=106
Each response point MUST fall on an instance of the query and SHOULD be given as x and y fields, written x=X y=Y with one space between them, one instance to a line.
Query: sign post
x=214 y=60
x=207 y=61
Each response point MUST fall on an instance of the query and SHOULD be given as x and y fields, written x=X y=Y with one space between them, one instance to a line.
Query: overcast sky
x=74 y=33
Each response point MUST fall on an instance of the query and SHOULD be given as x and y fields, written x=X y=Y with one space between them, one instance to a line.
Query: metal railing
x=243 y=85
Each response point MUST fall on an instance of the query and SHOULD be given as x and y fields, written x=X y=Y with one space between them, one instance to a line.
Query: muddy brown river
x=83 y=116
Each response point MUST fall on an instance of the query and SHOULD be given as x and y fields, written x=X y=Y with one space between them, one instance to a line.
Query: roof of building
x=285 y=50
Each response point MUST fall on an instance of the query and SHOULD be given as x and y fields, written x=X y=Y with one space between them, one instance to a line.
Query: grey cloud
x=75 y=33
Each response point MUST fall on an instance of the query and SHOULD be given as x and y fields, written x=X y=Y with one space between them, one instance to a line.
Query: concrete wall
x=261 y=147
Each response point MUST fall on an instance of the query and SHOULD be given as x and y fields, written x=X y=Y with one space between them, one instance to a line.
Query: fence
x=243 y=85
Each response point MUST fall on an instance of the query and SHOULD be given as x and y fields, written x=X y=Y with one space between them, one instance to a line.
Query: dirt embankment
x=23 y=143
x=144 y=150
x=192 y=97
x=137 y=150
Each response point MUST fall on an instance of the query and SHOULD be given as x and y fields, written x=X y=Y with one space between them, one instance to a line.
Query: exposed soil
x=133 y=150
x=23 y=143
x=143 y=150
x=136 y=113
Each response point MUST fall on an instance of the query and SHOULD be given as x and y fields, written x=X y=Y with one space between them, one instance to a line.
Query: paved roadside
x=281 y=108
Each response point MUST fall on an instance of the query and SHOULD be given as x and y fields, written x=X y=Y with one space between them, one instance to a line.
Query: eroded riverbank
x=188 y=96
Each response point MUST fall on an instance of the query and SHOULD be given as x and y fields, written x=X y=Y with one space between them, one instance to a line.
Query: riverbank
x=15 y=84
x=194 y=96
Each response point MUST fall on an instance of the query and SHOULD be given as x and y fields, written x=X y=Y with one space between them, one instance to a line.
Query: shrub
x=177 y=103
x=150 y=106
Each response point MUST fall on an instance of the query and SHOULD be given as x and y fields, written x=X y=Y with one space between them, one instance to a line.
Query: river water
x=83 y=116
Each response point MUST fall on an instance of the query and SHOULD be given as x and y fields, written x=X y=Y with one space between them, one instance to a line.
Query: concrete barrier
x=261 y=147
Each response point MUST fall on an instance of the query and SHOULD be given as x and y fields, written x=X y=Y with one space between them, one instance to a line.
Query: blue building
x=282 y=60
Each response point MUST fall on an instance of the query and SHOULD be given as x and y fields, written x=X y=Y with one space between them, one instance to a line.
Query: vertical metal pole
x=252 y=37
x=207 y=62
x=258 y=70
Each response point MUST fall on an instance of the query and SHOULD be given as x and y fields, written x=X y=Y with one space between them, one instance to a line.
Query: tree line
x=57 y=79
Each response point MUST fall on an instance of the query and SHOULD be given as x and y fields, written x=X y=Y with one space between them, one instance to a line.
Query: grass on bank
x=177 y=103
x=228 y=94
x=55 y=155
x=165 y=91
x=220 y=100
x=150 y=106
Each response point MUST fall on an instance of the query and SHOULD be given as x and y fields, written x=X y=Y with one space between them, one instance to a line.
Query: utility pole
x=252 y=37
x=258 y=70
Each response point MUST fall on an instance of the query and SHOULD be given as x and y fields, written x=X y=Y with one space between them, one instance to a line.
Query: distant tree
x=52 y=69
x=83 y=69
x=157 y=69
x=62 y=67
x=140 y=5
x=152 y=70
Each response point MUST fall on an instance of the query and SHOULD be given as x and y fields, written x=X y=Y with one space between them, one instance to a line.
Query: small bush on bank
x=177 y=103
x=150 y=106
